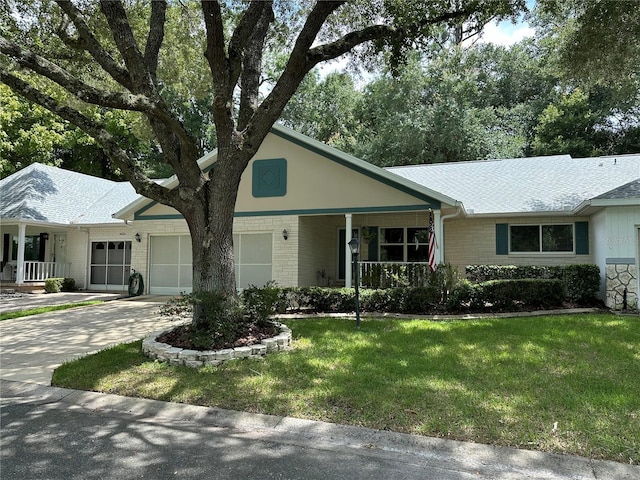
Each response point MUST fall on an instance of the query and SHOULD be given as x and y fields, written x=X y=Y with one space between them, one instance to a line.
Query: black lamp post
x=354 y=245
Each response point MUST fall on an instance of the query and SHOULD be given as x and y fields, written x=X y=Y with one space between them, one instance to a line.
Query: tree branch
x=72 y=84
x=142 y=184
x=252 y=66
x=218 y=64
x=126 y=43
x=155 y=37
x=240 y=38
x=93 y=46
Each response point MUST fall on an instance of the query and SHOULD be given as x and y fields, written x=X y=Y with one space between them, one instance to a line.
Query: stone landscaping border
x=200 y=358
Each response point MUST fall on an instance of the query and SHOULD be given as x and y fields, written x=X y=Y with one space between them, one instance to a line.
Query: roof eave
x=593 y=205
x=170 y=183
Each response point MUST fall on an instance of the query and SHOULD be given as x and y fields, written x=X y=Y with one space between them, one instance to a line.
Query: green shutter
x=582 y=238
x=502 y=239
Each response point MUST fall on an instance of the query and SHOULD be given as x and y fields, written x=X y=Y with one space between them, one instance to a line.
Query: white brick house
x=301 y=201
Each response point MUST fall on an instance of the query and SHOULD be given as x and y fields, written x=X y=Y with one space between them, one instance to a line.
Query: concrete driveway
x=32 y=347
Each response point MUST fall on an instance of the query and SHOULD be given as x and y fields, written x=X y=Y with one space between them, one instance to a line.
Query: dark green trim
x=582 y=238
x=153 y=203
x=345 y=163
x=337 y=211
x=318 y=211
x=502 y=239
x=269 y=178
x=174 y=216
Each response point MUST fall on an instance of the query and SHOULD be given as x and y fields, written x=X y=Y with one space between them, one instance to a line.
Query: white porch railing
x=40 y=271
x=394 y=274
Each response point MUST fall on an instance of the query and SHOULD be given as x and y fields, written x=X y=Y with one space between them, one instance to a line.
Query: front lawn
x=568 y=384
x=50 y=308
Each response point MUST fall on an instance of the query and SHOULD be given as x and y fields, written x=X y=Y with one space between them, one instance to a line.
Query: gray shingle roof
x=53 y=195
x=526 y=185
x=629 y=190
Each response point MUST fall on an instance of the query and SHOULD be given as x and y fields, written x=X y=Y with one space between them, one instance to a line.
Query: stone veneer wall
x=196 y=358
x=619 y=277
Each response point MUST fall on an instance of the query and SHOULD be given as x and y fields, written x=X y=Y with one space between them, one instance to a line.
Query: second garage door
x=170 y=269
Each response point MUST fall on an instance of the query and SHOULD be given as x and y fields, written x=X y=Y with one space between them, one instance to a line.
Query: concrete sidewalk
x=97 y=432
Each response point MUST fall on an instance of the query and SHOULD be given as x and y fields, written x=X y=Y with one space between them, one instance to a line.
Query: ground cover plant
x=36 y=311
x=564 y=384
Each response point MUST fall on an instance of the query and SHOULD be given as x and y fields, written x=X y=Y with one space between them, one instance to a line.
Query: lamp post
x=354 y=246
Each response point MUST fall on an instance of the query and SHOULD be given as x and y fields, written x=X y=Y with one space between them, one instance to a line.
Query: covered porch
x=32 y=253
x=394 y=248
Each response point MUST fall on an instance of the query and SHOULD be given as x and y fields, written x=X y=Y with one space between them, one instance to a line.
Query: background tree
x=110 y=54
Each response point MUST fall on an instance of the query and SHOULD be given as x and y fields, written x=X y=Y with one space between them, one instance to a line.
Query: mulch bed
x=251 y=334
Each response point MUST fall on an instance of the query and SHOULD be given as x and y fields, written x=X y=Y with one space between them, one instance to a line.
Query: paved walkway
x=32 y=347
x=50 y=432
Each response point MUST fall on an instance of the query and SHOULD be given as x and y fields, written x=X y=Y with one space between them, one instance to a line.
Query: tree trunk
x=210 y=220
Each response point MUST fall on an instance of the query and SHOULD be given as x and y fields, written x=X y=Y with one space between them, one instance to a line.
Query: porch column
x=347 y=254
x=439 y=227
x=22 y=228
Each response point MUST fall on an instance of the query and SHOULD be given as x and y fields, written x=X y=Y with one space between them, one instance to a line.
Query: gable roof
x=326 y=151
x=44 y=194
x=537 y=185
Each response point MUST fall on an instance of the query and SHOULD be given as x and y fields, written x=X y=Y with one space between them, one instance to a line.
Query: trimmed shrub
x=262 y=303
x=580 y=282
x=422 y=299
x=53 y=285
x=378 y=300
x=463 y=296
x=68 y=285
x=526 y=292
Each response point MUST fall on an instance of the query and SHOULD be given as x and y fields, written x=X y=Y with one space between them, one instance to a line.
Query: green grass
x=39 y=310
x=568 y=384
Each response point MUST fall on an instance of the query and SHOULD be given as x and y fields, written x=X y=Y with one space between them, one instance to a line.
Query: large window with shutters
x=556 y=238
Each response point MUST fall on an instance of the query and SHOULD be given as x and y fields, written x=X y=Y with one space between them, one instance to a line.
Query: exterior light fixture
x=354 y=246
x=137 y=237
x=285 y=234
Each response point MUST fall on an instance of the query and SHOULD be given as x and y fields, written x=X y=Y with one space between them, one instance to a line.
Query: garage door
x=170 y=269
x=253 y=253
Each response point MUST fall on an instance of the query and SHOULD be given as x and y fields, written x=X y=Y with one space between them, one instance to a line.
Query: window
x=399 y=244
x=110 y=265
x=541 y=238
x=31 y=248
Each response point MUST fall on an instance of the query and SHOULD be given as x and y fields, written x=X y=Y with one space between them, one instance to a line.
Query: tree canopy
x=79 y=58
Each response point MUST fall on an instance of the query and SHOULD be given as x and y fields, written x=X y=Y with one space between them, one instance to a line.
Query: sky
x=504 y=33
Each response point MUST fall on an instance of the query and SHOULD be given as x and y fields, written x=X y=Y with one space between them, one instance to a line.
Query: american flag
x=432 y=243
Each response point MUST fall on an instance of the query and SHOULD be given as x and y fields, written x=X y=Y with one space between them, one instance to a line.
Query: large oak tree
x=109 y=55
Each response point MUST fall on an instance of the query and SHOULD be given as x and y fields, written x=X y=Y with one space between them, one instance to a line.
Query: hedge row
x=580 y=282
x=495 y=295
x=487 y=288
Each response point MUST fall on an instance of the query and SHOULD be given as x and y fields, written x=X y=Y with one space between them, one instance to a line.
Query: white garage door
x=170 y=269
x=253 y=253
